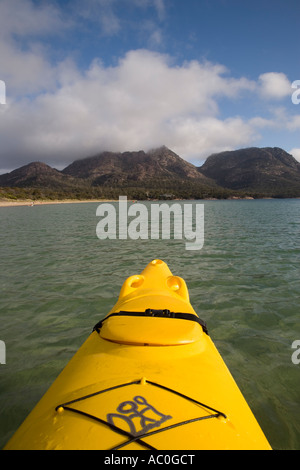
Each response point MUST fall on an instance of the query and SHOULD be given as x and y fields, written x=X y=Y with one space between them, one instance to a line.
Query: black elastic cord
x=166 y=428
x=85 y=397
x=138 y=438
x=219 y=413
x=150 y=312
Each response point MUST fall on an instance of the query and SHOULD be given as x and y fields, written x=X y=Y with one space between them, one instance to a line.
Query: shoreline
x=30 y=203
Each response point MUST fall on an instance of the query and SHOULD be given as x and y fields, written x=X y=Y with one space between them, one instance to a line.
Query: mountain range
x=161 y=173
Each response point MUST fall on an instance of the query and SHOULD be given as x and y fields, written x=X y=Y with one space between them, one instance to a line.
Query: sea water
x=58 y=279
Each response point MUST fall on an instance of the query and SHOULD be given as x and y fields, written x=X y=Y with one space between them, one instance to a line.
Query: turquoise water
x=58 y=279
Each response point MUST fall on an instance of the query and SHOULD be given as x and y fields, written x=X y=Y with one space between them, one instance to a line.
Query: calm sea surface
x=57 y=279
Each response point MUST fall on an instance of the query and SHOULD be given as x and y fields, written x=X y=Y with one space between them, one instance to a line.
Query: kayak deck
x=148 y=377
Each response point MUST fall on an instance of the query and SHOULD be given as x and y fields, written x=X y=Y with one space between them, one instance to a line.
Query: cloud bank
x=56 y=112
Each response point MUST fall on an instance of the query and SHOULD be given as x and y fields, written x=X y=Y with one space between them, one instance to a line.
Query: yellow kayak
x=148 y=377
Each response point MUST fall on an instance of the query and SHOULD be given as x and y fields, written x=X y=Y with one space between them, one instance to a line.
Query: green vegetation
x=169 y=191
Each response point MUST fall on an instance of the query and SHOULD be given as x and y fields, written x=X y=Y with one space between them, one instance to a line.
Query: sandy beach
x=7 y=203
x=28 y=202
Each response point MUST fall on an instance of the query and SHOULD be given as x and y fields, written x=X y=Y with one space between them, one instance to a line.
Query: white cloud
x=281 y=119
x=197 y=139
x=273 y=85
x=25 y=67
x=294 y=123
x=25 y=72
x=143 y=101
x=24 y=18
x=296 y=153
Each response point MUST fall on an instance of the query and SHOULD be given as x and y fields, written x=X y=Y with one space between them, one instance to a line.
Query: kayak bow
x=147 y=377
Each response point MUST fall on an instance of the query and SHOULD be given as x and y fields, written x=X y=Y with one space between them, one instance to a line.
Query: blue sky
x=199 y=76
